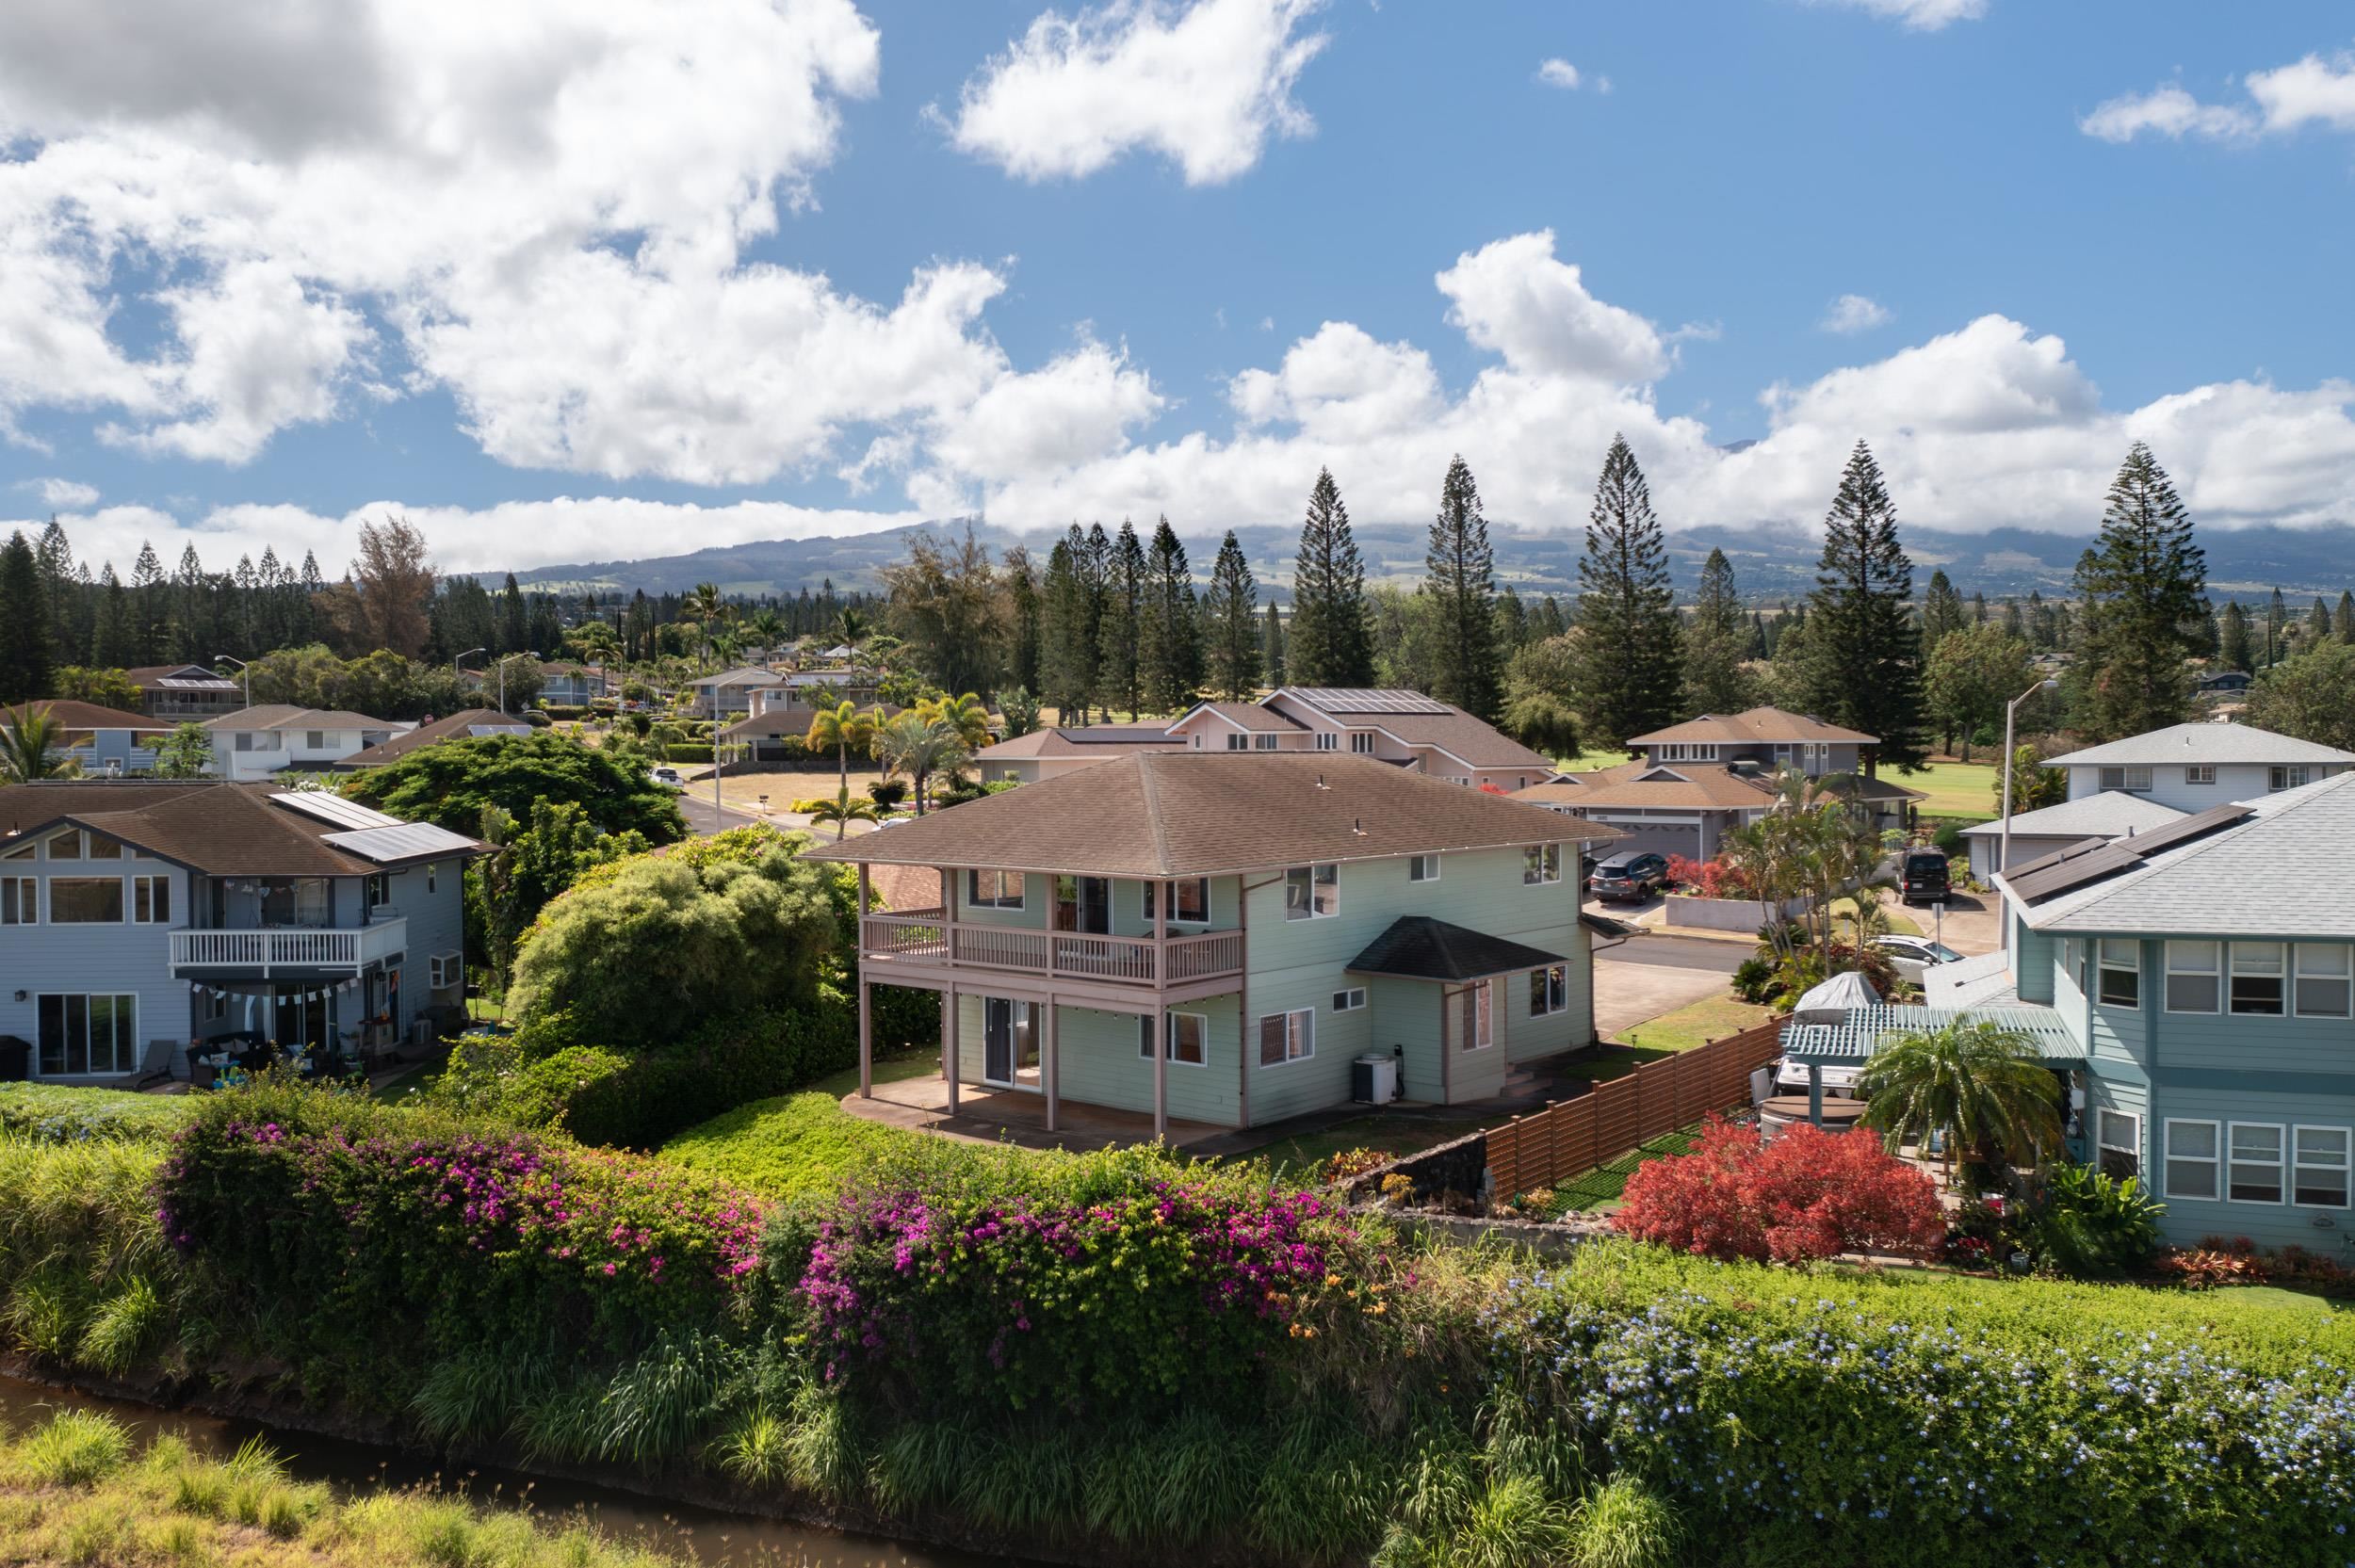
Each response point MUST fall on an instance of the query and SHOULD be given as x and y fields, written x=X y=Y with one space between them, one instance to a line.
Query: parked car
x=1911 y=955
x=1922 y=876
x=1628 y=876
x=668 y=778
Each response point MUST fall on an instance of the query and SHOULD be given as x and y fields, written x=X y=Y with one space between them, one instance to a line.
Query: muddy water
x=354 y=1468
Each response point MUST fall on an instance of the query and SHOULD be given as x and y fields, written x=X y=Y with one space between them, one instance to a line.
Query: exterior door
x=1083 y=904
x=1009 y=1043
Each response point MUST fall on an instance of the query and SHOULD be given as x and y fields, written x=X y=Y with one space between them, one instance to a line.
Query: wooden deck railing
x=1617 y=1116
x=921 y=934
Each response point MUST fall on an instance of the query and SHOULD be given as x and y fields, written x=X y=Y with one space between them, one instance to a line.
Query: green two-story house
x=2204 y=975
x=1220 y=937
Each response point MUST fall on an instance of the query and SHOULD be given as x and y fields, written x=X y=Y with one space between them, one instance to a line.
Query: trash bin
x=16 y=1060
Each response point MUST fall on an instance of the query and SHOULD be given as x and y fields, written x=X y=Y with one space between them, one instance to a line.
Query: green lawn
x=1696 y=1024
x=1601 y=1188
x=796 y=1145
x=1965 y=790
x=1587 y=761
x=1303 y=1158
x=415 y=1081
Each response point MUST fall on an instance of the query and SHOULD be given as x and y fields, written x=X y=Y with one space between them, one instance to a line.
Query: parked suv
x=1628 y=876
x=1922 y=876
x=1911 y=955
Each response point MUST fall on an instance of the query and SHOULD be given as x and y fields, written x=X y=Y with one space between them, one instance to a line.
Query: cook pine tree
x=1717 y=642
x=1169 y=638
x=1863 y=669
x=1329 y=641
x=1119 y=679
x=2141 y=583
x=1230 y=617
x=1630 y=670
x=1461 y=587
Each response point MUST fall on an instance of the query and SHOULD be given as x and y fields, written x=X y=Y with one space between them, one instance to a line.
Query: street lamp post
x=463 y=658
x=2011 y=710
x=529 y=653
x=244 y=669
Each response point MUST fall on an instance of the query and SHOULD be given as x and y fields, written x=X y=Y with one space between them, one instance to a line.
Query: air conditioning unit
x=420 y=1031
x=1373 y=1080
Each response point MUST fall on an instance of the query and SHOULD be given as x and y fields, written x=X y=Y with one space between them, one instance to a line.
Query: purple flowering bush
x=364 y=1234
x=1159 y=1283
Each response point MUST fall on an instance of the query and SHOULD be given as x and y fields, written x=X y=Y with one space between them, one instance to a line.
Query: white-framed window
x=2294 y=777
x=1265 y=742
x=433 y=876
x=1361 y=742
x=1287 y=1036
x=2319 y=1167
x=20 y=901
x=379 y=889
x=23 y=851
x=2194 y=976
x=2193 y=1157
x=150 y=900
x=2256 y=979
x=1350 y=1000
x=2252 y=1175
x=1198 y=740
x=215 y=1005
x=1422 y=868
x=1185 y=1036
x=444 y=969
x=1477 y=1029
x=1548 y=990
x=2321 y=988
x=1541 y=864
x=64 y=845
x=1328 y=741
x=2133 y=778
x=1191 y=900
x=2118 y=1143
x=2200 y=773
x=2119 y=982
x=1313 y=892
x=86 y=1033
x=101 y=848
x=86 y=900
x=995 y=889
x=1685 y=750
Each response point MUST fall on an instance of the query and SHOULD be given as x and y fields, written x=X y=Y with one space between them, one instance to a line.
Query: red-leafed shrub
x=1805 y=1195
x=1707 y=879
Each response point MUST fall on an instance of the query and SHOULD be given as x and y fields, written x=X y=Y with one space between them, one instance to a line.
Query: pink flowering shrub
x=358 y=1231
x=1175 y=1287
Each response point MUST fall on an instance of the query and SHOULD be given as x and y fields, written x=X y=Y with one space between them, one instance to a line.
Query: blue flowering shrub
x=1817 y=1418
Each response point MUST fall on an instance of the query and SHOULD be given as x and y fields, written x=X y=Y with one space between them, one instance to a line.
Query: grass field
x=1968 y=790
x=795 y=1145
x=1696 y=1024
x=1586 y=762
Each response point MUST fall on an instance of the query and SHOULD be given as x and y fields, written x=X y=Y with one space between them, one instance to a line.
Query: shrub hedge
x=62 y=1113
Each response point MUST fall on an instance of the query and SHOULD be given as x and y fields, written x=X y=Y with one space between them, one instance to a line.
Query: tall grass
x=1623 y=1524
x=76 y=1447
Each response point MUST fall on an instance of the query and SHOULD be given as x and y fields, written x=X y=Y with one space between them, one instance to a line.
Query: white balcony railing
x=922 y=936
x=352 y=947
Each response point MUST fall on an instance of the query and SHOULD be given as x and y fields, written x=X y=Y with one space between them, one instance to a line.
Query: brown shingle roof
x=1472 y=741
x=221 y=829
x=1192 y=813
x=148 y=676
x=286 y=716
x=1248 y=716
x=1095 y=740
x=1755 y=726
x=78 y=718
x=1687 y=785
x=455 y=727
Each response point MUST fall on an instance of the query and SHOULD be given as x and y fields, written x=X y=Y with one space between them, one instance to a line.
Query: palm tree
x=852 y=627
x=766 y=627
x=841 y=729
x=706 y=606
x=1985 y=1085
x=967 y=714
x=27 y=743
x=919 y=746
x=843 y=811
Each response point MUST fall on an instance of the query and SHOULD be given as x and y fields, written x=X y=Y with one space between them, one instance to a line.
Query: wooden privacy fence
x=1615 y=1117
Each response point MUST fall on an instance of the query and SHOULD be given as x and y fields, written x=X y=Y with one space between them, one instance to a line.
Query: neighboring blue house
x=100 y=740
x=2195 y=984
x=138 y=916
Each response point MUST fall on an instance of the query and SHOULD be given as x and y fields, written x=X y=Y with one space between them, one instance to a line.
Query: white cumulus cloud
x=1855 y=312
x=1926 y=16
x=2307 y=91
x=1559 y=72
x=65 y=494
x=1204 y=87
x=1513 y=296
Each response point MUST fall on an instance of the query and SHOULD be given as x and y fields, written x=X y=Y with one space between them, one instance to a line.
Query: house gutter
x=1244 y=1045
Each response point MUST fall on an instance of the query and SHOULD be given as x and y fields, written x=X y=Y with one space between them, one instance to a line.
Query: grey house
x=137 y=917
x=2193 y=767
x=99 y=740
x=2106 y=814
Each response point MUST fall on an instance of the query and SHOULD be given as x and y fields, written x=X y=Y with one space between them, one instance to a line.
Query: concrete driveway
x=1626 y=995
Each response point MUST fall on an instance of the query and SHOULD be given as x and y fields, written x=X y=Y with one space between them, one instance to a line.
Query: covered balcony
x=925 y=937
x=264 y=950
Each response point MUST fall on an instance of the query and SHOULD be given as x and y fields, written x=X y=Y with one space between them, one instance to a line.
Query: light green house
x=1220 y=937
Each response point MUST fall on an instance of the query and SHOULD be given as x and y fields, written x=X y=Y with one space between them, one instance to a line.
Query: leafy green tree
x=2318 y=624
x=1864 y=657
x=29 y=743
x=662 y=941
x=2345 y=620
x=947 y=605
x=1943 y=610
x=1169 y=643
x=113 y=640
x=1018 y=708
x=1628 y=649
x=1717 y=643
x=2310 y=697
x=1973 y=673
x=1120 y=678
x=108 y=688
x=840 y=730
x=2232 y=643
x=2141 y=584
x=1539 y=709
x=1023 y=652
x=24 y=624
x=186 y=753
x=843 y=811
x=1071 y=605
x=2034 y=786
x=918 y=745
x=1985 y=1086
x=1461 y=586
x=1232 y=610
x=529 y=864
x=450 y=782
x=1272 y=645
x=1329 y=642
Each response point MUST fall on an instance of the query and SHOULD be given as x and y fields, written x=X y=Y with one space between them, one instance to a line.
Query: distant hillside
x=1771 y=563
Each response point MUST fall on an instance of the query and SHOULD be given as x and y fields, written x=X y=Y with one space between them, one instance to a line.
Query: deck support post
x=1052 y=1066
x=1815 y=1092
x=1160 y=1012
x=866 y=1015
x=949 y=1042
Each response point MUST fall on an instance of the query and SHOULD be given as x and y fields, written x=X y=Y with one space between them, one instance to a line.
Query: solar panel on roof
x=333 y=809
x=2045 y=863
x=2079 y=871
x=401 y=841
x=1342 y=699
x=2168 y=836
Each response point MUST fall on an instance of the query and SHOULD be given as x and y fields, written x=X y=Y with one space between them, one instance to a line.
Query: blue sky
x=675 y=316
